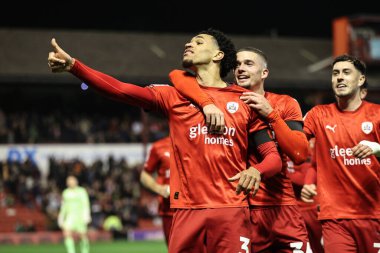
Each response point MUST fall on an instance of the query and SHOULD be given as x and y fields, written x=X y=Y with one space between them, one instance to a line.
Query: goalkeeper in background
x=74 y=215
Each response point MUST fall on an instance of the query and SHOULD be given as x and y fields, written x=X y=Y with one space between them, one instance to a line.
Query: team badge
x=232 y=107
x=367 y=127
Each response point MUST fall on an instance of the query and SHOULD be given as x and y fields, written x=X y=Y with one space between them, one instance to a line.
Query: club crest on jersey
x=367 y=127
x=232 y=107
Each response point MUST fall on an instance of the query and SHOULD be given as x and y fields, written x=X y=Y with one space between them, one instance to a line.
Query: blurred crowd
x=58 y=127
x=113 y=188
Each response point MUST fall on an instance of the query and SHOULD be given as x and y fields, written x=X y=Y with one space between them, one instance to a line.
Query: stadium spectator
x=207 y=203
x=278 y=225
x=158 y=163
x=347 y=158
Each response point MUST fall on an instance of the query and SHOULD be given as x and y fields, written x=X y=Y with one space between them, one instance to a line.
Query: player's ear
x=361 y=80
x=219 y=56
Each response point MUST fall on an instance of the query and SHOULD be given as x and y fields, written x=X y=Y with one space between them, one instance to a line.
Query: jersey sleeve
x=292 y=110
x=113 y=88
x=290 y=138
x=271 y=163
x=310 y=123
x=187 y=85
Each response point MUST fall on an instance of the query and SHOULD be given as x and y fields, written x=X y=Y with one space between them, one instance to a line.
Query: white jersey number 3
x=245 y=244
x=297 y=247
x=376 y=245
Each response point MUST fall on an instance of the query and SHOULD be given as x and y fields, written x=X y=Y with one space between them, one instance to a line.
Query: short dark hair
x=365 y=84
x=358 y=64
x=256 y=51
x=227 y=47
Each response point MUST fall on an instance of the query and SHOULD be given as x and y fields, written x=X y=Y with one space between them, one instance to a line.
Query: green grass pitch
x=99 y=247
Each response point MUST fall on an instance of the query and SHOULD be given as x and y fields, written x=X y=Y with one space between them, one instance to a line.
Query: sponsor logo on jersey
x=347 y=155
x=223 y=138
x=331 y=128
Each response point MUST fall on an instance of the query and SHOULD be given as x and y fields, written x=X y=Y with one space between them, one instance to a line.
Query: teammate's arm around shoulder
x=187 y=85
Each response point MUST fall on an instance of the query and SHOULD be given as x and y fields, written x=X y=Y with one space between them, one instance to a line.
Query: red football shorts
x=346 y=236
x=222 y=230
x=278 y=229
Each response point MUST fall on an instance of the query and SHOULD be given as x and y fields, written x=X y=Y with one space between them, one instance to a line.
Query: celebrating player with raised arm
x=210 y=216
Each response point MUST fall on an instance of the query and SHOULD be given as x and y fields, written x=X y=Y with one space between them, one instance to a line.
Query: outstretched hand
x=58 y=59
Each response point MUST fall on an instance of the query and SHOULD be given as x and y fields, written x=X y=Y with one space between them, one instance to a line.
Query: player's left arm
x=187 y=85
x=366 y=148
x=289 y=133
x=62 y=213
x=86 y=207
x=249 y=180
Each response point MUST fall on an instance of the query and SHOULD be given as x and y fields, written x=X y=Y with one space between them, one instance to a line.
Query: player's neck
x=349 y=103
x=258 y=88
x=210 y=78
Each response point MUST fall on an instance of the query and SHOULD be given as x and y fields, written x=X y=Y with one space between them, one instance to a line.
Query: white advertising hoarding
x=88 y=153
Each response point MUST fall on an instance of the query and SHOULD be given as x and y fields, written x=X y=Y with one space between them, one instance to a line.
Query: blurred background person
x=155 y=177
x=299 y=174
x=74 y=215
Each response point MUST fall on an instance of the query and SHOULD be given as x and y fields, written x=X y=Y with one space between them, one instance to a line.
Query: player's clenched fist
x=58 y=59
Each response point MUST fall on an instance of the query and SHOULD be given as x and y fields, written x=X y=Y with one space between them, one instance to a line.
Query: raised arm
x=60 y=61
x=188 y=86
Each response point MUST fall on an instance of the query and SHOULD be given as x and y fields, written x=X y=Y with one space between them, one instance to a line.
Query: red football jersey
x=203 y=162
x=348 y=187
x=278 y=190
x=159 y=162
x=200 y=162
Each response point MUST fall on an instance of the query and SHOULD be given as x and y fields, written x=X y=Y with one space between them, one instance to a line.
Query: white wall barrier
x=88 y=153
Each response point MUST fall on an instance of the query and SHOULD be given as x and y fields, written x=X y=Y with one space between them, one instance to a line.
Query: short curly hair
x=227 y=47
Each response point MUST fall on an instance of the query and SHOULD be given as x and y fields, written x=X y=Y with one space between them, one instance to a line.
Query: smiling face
x=201 y=50
x=346 y=79
x=251 y=69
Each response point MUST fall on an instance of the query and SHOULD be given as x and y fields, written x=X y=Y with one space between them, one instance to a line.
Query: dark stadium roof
x=266 y=18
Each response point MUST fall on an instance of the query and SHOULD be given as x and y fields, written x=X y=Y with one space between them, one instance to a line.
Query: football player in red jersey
x=347 y=135
x=158 y=162
x=211 y=215
x=278 y=225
